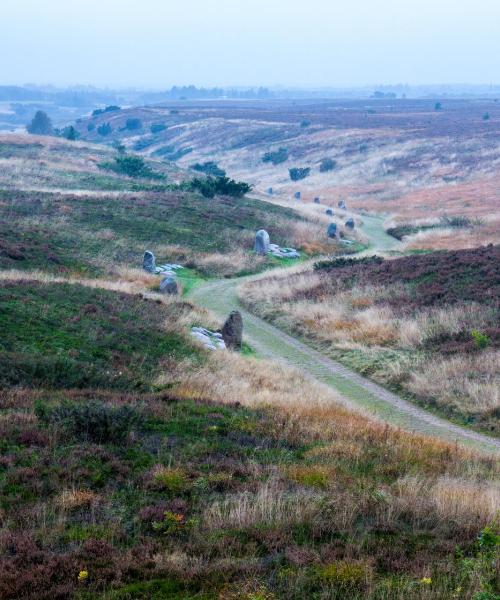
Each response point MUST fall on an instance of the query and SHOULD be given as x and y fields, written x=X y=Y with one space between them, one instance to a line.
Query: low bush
x=132 y=166
x=93 y=421
x=276 y=157
x=209 y=168
x=298 y=173
x=133 y=124
x=327 y=164
x=219 y=186
x=341 y=261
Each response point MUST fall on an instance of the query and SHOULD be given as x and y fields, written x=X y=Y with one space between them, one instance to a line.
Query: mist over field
x=321 y=43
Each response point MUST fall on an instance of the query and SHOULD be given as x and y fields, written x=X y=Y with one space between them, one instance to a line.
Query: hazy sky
x=159 y=43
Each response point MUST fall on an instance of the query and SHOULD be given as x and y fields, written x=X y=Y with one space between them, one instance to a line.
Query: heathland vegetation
x=426 y=325
x=135 y=464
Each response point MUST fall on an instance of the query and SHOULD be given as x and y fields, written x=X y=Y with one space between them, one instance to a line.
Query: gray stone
x=297 y=195
x=329 y=212
x=350 y=223
x=169 y=286
x=261 y=245
x=149 y=262
x=331 y=232
x=232 y=331
x=317 y=200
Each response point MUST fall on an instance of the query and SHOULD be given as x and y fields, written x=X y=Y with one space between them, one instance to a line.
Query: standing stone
x=350 y=223
x=149 y=262
x=232 y=331
x=297 y=195
x=329 y=212
x=317 y=200
x=261 y=245
x=342 y=205
x=169 y=286
x=331 y=232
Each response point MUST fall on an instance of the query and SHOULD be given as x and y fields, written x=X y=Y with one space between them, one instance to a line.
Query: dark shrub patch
x=93 y=421
x=298 y=173
x=276 y=157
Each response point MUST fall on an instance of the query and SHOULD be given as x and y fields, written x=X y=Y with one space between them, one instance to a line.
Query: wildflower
x=177 y=517
x=83 y=576
x=426 y=580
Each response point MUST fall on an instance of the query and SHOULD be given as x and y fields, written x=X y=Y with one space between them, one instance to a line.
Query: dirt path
x=269 y=342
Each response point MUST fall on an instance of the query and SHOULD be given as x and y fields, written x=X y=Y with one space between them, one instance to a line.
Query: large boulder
x=350 y=223
x=169 y=285
x=262 y=240
x=331 y=232
x=149 y=262
x=232 y=331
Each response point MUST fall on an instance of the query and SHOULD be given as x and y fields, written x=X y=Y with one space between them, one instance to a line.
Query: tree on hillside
x=70 y=133
x=40 y=124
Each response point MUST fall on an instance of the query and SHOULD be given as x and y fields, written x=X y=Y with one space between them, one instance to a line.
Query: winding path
x=270 y=342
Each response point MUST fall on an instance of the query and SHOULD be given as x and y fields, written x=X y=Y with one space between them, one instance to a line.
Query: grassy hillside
x=399 y=157
x=427 y=325
x=133 y=465
x=61 y=212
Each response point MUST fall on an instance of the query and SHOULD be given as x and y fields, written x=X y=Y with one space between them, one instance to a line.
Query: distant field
x=427 y=325
x=401 y=158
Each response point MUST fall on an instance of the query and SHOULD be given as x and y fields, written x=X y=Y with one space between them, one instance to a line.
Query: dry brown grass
x=450 y=486
x=362 y=320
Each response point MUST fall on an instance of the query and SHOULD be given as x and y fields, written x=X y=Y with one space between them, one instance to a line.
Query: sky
x=301 y=43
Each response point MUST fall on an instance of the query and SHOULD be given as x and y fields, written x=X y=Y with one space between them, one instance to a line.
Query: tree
x=276 y=157
x=438 y=106
x=70 y=133
x=209 y=168
x=104 y=129
x=40 y=124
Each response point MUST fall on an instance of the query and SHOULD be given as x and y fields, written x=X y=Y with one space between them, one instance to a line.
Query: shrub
x=133 y=124
x=438 y=106
x=481 y=340
x=40 y=124
x=96 y=422
x=91 y=126
x=297 y=173
x=486 y=117
x=132 y=166
x=104 y=129
x=327 y=164
x=341 y=261
x=100 y=111
x=305 y=123
x=169 y=479
x=209 y=168
x=276 y=157
x=213 y=186
x=157 y=127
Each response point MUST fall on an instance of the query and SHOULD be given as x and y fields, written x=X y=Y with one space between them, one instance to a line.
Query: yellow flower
x=426 y=580
x=83 y=575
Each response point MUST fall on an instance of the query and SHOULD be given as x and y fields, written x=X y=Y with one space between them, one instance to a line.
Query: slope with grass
x=397 y=157
x=135 y=465
x=105 y=229
x=425 y=325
